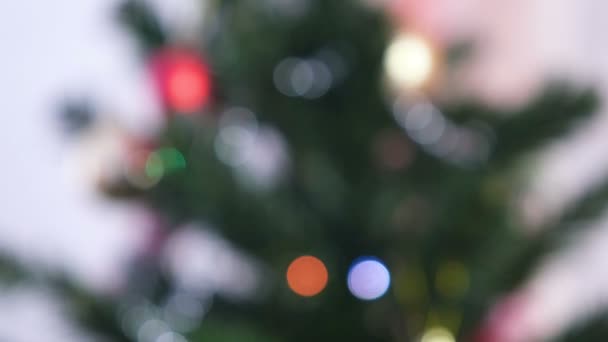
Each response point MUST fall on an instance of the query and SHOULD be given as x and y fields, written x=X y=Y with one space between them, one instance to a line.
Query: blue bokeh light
x=368 y=278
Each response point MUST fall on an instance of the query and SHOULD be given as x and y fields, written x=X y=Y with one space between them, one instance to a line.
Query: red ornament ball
x=182 y=79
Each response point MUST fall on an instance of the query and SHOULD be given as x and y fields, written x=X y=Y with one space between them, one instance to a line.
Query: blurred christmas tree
x=297 y=128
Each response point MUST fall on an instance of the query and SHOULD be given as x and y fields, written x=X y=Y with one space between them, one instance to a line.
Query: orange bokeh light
x=307 y=276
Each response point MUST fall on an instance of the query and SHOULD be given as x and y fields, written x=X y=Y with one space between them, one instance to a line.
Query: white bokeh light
x=409 y=61
x=307 y=78
x=258 y=154
x=171 y=337
x=205 y=264
x=368 y=278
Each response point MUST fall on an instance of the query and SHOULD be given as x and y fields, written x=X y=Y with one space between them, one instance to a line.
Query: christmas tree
x=310 y=137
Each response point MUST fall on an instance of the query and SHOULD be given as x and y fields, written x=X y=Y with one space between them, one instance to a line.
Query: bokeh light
x=452 y=279
x=460 y=144
x=142 y=168
x=424 y=123
x=368 y=278
x=157 y=164
x=155 y=168
x=183 y=80
x=187 y=88
x=307 y=276
x=134 y=314
x=409 y=285
x=392 y=151
x=183 y=311
x=151 y=330
x=437 y=334
x=409 y=61
x=204 y=264
x=238 y=128
x=171 y=337
x=172 y=159
x=257 y=154
x=308 y=78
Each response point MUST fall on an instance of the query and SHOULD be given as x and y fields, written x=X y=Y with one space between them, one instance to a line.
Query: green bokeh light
x=155 y=168
x=172 y=159
x=163 y=161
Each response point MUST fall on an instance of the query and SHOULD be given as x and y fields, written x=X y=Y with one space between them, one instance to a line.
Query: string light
x=409 y=61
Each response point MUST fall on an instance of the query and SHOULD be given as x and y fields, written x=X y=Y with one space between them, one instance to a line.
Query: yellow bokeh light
x=452 y=279
x=438 y=334
x=409 y=61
